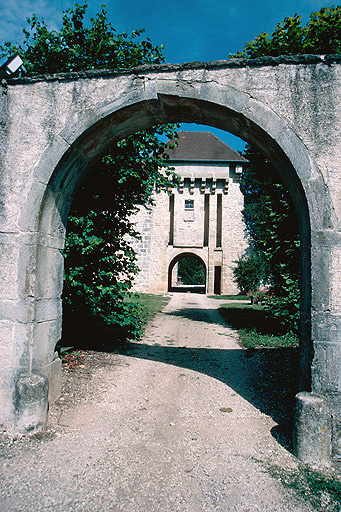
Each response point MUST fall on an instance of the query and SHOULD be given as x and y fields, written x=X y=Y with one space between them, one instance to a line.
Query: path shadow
x=187 y=289
x=198 y=315
x=266 y=378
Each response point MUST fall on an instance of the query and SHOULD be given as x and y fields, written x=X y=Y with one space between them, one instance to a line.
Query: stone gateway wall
x=54 y=128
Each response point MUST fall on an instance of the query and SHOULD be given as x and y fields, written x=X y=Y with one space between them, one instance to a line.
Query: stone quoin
x=54 y=128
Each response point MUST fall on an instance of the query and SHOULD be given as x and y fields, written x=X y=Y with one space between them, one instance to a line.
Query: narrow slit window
x=206 y=219
x=219 y=219
x=217 y=280
x=171 y=220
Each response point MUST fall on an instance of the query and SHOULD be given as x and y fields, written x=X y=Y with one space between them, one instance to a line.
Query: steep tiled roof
x=203 y=146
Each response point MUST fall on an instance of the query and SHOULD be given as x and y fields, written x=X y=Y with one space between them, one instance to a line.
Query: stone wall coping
x=168 y=67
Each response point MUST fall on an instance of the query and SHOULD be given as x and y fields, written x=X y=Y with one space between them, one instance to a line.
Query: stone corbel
x=191 y=186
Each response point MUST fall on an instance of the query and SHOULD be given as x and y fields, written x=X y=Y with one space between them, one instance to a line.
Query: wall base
x=313 y=429
x=31 y=404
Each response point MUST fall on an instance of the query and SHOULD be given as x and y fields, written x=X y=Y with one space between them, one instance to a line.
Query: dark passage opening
x=171 y=220
x=206 y=219
x=187 y=272
x=217 y=280
x=219 y=220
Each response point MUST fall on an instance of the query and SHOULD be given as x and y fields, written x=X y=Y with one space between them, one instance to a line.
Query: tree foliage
x=271 y=220
x=269 y=213
x=80 y=46
x=249 y=271
x=321 y=35
x=192 y=271
x=99 y=260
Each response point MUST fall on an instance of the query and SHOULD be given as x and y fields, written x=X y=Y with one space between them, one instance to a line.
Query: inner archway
x=187 y=272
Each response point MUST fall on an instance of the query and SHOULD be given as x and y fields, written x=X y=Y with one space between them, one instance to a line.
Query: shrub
x=249 y=272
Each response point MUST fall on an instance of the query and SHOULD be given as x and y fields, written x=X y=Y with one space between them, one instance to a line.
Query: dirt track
x=183 y=421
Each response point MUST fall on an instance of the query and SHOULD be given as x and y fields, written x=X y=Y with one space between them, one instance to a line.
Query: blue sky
x=191 y=29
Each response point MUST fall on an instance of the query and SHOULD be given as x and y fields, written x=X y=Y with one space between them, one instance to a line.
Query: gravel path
x=183 y=421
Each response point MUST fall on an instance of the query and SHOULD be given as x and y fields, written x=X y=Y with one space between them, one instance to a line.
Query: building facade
x=199 y=217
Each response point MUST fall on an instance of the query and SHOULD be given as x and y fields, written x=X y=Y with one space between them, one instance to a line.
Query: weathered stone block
x=326 y=326
x=17 y=310
x=48 y=309
x=53 y=372
x=326 y=374
x=9 y=256
x=22 y=335
x=52 y=154
x=312 y=430
x=46 y=335
x=321 y=286
x=49 y=281
x=6 y=341
x=27 y=220
x=31 y=403
x=6 y=398
x=14 y=343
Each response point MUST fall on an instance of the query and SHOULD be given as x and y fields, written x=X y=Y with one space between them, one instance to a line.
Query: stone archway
x=51 y=142
x=172 y=284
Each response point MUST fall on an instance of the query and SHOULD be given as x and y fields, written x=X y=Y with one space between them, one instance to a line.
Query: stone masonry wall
x=53 y=128
x=154 y=251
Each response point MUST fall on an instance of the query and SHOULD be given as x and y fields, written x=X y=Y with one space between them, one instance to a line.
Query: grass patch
x=252 y=339
x=322 y=491
x=255 y=328
x=229 y=297
x=150 y=304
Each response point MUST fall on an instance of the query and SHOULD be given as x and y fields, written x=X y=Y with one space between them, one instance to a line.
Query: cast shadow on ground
x=266 y=378
x=198 y=315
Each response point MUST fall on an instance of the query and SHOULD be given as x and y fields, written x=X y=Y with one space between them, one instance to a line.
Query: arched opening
x=187 y=273
x=275 y=104
x=274 y=140
x=137 y=102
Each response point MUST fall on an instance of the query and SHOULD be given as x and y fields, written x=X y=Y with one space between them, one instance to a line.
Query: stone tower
x=202 y=216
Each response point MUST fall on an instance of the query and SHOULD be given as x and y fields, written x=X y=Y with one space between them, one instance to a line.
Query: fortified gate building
x=200 y=217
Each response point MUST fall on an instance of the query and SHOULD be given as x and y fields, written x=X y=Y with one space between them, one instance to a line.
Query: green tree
x=99 y=260
x=249 y=271
x=321 y=35
x=78 y=46
x=271 y=220
x=269 y=212
x=192 y=271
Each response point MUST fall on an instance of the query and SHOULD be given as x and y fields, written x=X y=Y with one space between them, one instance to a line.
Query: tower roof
x=203 y=147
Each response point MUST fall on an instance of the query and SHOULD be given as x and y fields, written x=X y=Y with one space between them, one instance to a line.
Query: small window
x=189 y=210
